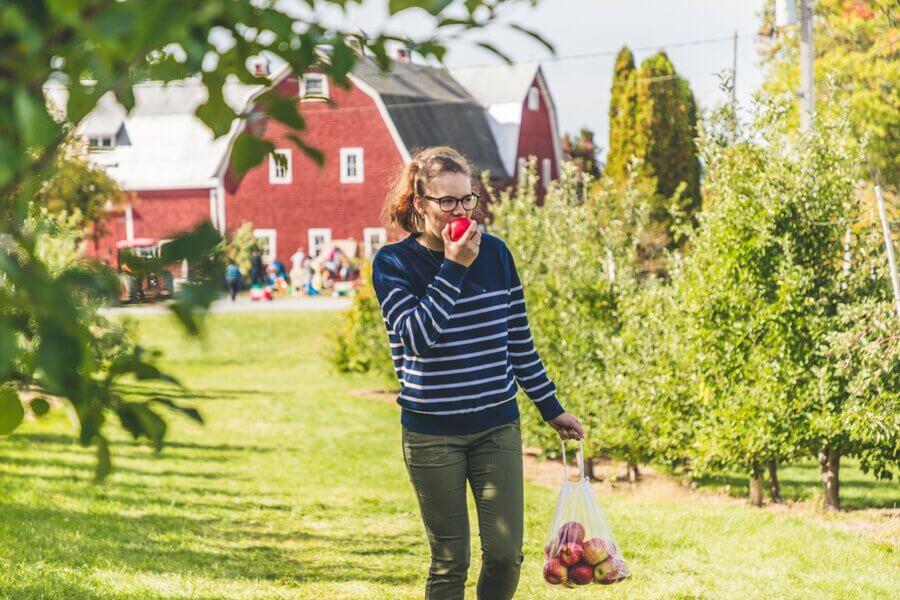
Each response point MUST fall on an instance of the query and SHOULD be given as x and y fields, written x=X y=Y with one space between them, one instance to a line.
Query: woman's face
x=445 y=184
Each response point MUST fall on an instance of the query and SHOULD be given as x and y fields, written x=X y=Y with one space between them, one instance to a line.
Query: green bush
x=360 y=345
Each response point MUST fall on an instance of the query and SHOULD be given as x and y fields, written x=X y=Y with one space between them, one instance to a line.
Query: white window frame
x=346 y=153
x=273 y=167
x=304 y=95
x=534 y=102
x=101 y=142
x=271 y=252
x=522 y=165
x=382 y=234
x=312 y=232
x=546 y=171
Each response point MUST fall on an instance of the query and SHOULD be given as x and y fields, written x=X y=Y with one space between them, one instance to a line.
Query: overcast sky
x=581 y=86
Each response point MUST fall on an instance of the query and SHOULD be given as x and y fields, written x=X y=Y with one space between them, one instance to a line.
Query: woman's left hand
x=567 y=426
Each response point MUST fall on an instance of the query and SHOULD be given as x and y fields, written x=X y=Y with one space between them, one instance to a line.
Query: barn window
x=313 y=86
x=534 y=102
x=280 y=166
x=352 y=165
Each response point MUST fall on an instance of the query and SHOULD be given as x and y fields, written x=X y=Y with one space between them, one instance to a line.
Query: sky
x=696 y=34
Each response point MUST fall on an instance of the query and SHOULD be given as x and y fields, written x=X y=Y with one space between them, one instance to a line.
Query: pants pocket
x=424 y=449
x=508 y=437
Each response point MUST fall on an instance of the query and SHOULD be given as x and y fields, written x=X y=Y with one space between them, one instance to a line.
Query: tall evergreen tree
x=622 y=109
x=665 y=129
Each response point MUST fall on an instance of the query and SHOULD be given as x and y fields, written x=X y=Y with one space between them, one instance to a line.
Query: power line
x=599 y=53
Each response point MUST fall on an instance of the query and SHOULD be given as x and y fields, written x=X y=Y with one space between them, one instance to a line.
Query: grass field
x=295 y=488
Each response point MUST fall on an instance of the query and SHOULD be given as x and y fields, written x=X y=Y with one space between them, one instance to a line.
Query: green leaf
x=10 y=161
x=60 y=355
x=192 y=245
x=215 y=112
x=282 y=109
x=11 y=411
x=535 y=36
x=140 y=421
x=95 y=278
x=342 y=60
x=37 y=126
x=314 y=153
x=248 y=152
x=494 y=50
x=434 y=7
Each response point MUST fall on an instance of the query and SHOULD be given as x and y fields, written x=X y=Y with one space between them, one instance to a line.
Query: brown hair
x=410 y=179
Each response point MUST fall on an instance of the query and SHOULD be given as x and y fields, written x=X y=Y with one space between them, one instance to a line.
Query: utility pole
x=734 y=70
x=785 y=16
x=889 y=247
x=807 y=99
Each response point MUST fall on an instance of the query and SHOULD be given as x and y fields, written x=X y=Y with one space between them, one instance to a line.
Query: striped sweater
x=459 y=338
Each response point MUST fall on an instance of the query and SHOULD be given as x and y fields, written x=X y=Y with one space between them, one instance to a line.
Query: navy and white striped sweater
x=459 y=337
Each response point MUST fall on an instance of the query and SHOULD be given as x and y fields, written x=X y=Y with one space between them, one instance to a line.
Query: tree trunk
x=774 y=486
x=756 y=489
x=589 y=468
x=830 y=463
x=633 y=473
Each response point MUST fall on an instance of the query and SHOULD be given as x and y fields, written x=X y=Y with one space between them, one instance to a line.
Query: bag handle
x=579 y=460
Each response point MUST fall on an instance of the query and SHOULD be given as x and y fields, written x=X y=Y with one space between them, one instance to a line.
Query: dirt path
x=879 y=524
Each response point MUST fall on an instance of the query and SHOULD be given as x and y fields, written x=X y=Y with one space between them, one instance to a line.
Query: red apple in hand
x=582 y=574
x=573 y=531
x=458 y=227
x=570 y=553
x=555 y=572
x=595 y=551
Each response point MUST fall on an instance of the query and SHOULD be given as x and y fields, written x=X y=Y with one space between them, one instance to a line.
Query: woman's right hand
x=465 y=250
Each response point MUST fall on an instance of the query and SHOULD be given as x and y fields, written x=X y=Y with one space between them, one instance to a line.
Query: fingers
x=472 y=231
x=445 y=233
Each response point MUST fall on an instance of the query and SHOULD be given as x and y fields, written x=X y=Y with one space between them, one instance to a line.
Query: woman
x=460 y=340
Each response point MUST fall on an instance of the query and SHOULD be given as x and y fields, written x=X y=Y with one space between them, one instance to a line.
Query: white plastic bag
x=579 y=548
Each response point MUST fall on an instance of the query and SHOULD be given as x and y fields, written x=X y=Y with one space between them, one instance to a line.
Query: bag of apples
x=580 y=548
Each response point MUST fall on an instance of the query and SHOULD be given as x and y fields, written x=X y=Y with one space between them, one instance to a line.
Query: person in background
x=257 y=271
x=279 y=270
x=233 y=278
x=296 y=278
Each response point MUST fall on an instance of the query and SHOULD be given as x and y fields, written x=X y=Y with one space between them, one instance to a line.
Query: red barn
x=180 y=175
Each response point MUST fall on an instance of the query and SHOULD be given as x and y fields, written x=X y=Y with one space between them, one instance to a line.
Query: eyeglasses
x=448 y=203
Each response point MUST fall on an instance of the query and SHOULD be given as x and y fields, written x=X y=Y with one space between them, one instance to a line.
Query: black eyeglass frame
x=455 y=200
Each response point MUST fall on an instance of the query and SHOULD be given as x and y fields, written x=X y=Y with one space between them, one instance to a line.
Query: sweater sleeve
x=527 y=366
x=417 y=321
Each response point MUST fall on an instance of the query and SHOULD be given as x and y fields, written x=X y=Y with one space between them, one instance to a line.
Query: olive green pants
x=439 y=467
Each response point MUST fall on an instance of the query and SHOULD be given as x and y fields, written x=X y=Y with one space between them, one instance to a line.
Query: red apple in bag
x=570 y=553
x=555 y=572
x=608 y=571
x=596 y=550
x=581 y=574
x=458 y=227
x=549 y=550
x=573 y=531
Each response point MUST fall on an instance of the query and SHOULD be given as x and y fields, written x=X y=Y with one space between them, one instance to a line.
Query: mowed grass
x=295 y=488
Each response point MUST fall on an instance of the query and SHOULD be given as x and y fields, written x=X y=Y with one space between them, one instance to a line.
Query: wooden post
x=889 y=248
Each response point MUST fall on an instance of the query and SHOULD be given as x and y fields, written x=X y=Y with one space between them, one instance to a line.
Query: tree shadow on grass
x=50 y=442
x=213 y=548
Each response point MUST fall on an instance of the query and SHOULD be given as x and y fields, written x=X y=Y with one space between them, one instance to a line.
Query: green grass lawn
x=295 y=488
